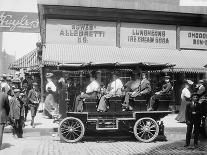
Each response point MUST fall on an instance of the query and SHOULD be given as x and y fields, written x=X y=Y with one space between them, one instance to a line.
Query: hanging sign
x=80 y=32
x=19 y=22
x=148 y=35
x=193 y=37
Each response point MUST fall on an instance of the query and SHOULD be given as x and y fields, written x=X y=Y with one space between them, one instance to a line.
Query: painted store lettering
x=158 y=40
x=197 y=35
x=157 y=33
x=81 y=33
x=199 y=42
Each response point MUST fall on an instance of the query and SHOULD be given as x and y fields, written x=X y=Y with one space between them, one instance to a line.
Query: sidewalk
x=42 y=124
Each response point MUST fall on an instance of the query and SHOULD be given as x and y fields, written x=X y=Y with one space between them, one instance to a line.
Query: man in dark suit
x=17 y=113
x=4 y=112
x=166 y=90
x=193 y=114
x=142 y=88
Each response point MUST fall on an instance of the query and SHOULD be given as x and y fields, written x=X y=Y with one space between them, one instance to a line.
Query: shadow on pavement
x=112 y=137
x=177 y=148
x=5 y=145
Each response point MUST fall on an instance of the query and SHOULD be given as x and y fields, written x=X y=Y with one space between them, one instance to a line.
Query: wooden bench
x=140 y=103
x=115 y=104
x=164 y=103
x=90 y=105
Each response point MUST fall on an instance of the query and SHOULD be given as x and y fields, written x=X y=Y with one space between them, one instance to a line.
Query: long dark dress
x=184 y=100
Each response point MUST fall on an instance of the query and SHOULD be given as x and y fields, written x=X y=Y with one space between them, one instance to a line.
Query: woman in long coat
x=185 y=98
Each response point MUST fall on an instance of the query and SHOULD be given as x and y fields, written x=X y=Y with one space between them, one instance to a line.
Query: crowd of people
x=193 y=109
x=17 y=96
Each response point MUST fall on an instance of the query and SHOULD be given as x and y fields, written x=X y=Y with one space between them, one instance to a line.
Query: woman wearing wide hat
x=50 y=103
x=185 y=98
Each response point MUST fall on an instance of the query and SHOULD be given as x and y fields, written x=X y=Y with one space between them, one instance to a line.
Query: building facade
x=155 y=31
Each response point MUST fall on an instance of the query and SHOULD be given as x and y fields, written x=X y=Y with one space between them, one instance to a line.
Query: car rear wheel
x=71 y=129
x=146 y=129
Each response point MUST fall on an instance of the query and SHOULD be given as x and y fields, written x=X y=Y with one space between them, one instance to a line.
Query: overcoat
x=4 y=107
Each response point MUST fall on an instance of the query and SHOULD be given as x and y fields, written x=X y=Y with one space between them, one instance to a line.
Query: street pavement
x=43 y=140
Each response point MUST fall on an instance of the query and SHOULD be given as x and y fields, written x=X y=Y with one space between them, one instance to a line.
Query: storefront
x=78 y=32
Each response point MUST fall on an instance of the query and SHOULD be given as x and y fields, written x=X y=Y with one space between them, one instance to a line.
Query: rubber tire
x=62 y=138
x=151 y=139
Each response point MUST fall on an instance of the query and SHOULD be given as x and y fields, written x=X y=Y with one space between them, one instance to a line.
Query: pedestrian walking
x=185 y=99
x=193 y=115
x=24 y=98
x=34 y=100
x=17 y=113
x=4 y=113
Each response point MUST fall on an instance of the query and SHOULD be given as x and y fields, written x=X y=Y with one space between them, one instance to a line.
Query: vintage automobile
x=143 y=123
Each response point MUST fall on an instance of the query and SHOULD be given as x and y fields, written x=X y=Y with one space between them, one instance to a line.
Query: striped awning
x=29 y=61
x=185 y=60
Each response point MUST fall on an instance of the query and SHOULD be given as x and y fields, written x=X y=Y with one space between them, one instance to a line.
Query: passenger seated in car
x=166 y=91
x=114 y=89
x=131 y=87
x=143 y=88
x=91 y=92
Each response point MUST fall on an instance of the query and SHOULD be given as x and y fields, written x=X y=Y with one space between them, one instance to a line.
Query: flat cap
x=167 y=77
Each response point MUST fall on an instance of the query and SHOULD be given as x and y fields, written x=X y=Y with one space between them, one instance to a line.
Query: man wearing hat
x=193 y=114
x=166 y=90
x=4 y=113
x=91 y=92
x=34 y=100
x=200 y=89
x=17 y=113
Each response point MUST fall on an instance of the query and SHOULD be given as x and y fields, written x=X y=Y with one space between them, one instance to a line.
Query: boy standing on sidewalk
x=34 y=100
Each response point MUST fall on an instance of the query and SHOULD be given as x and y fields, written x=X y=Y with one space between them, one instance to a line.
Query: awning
x=29 y=60
x=185 y=60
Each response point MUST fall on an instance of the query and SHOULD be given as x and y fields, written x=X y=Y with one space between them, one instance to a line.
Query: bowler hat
x=16 y=90
x=93 y=74
x=200 y=81
x=115 y=73
x=16 y=80
x=189 y=82
x=194 y=94
x=48 y=75
x=34 y=83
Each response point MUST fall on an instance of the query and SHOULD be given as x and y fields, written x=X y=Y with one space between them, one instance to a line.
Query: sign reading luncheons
x=148 y=35
x=193 y=37
x=81 y=32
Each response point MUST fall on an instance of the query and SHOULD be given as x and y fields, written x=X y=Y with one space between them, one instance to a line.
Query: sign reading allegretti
x=193 y=37
x=80 y=32
x=148 y=35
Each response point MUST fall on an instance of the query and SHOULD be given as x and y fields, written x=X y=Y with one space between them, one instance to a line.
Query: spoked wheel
x=146 y=129
x=71 y=129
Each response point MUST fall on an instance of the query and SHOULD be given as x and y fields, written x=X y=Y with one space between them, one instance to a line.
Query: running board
x=107 y=124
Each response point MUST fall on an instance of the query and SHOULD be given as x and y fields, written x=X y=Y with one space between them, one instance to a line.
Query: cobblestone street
x=34 y=144
x=42 y=141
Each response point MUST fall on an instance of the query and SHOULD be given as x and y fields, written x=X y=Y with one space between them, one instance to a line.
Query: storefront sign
x=148 y=35
x=81 y=32
x=193 y=37
x=19 y=22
